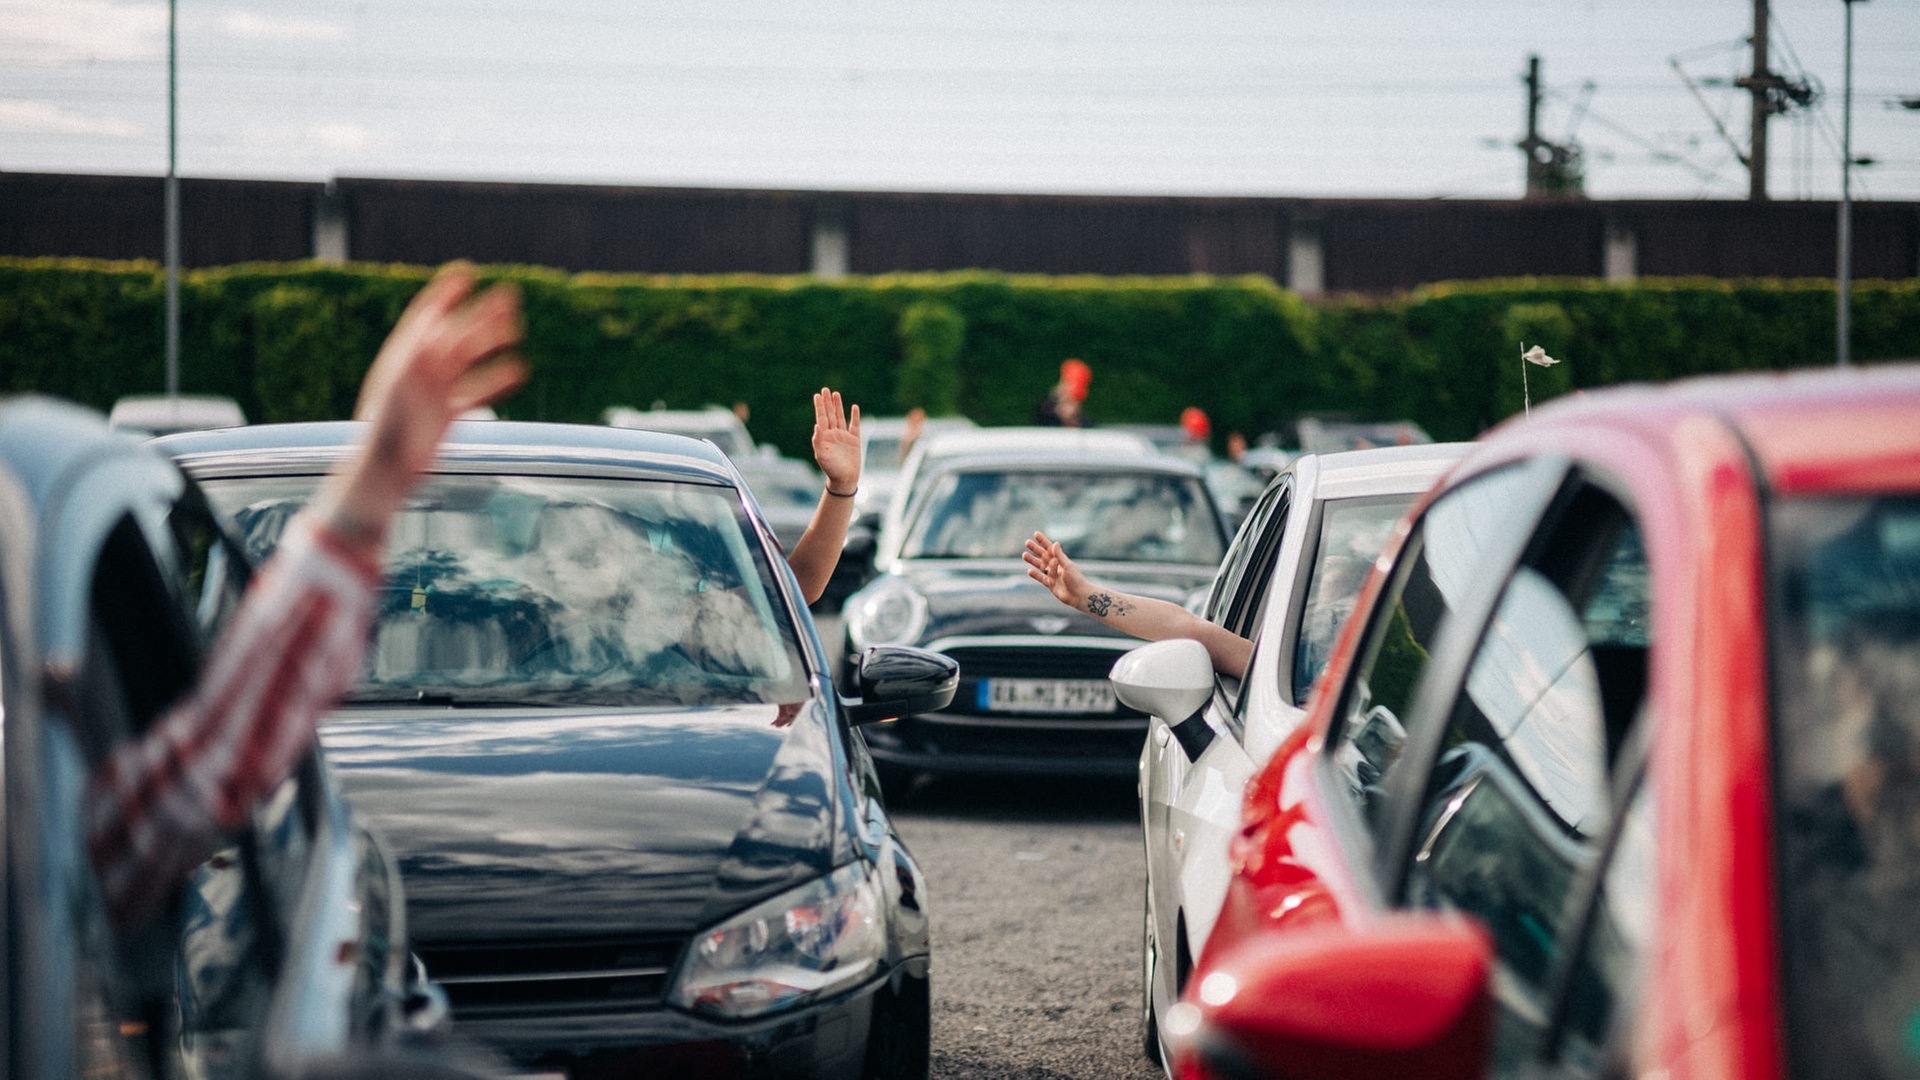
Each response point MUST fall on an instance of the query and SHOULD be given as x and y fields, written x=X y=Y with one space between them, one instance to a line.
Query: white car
x=1036 y=443
x=716 y=425
x=1287 y=582
x=148 y=415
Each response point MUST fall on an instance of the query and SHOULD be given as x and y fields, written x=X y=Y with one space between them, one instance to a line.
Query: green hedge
x=291 y=341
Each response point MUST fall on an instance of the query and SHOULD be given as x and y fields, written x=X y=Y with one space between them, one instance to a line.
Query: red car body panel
x=1695 y=462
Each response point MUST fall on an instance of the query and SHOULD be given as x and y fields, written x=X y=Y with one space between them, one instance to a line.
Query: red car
x=1616 y=767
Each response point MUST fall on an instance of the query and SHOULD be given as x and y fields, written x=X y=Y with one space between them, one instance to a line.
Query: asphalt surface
x=1036 y=888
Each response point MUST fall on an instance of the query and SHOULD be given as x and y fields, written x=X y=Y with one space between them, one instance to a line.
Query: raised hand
x=1050 y=566
x=836 y=442
x=451 y=351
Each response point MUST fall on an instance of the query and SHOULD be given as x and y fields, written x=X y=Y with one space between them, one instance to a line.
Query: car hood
x=971 y=597
x=554 y=823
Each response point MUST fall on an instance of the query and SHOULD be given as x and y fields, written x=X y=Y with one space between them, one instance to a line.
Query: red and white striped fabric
x=161 y=805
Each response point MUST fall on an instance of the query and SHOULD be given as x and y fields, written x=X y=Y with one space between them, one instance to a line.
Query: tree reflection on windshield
x=1130 y=517
x=569 y=591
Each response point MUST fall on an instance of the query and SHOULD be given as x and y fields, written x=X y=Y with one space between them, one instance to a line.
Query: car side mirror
x=1172 y=680
x=899 y=680
x=1406 y=996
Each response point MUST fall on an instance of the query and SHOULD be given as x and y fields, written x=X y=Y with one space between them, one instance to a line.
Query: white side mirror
x=1169 y=679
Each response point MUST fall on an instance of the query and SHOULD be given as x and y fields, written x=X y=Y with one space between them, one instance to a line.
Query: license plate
x=1047 y=695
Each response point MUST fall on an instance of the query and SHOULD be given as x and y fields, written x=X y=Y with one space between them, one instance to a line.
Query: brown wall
x=1365 y=245
x=122 y=217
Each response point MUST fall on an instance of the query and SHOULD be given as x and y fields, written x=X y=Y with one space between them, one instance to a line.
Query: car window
x=213 y=573
x=1435 y=569
x=1257 y=542
x=1517 y=801
x=1093 y=515
x=1845 y=638
x=562 y=591
x=1353 y=532
x=1620 y=921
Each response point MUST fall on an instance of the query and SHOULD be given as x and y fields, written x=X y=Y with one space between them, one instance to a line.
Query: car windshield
x=1352 y=533
x=565 y=591
x=1093 y=514
x=1846 y=642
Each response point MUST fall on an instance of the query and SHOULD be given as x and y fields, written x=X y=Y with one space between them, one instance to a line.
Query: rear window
x=1846 y=642
x=566 y=591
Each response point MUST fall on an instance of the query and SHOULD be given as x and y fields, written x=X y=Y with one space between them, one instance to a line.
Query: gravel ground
x=1036 y=889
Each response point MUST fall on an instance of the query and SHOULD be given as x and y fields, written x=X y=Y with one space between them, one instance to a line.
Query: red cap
x=1194 y=422
x=1075 y=377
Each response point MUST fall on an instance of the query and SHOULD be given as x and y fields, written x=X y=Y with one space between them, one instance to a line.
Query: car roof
x=175 y=412
x=1070 y=460
x=1811 y=430
x=44 y=441
x=1381 y=470
x=470 y=446
x=1032 y=440
x=892 y=427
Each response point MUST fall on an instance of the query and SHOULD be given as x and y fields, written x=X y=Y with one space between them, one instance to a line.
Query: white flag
x=1538 y=355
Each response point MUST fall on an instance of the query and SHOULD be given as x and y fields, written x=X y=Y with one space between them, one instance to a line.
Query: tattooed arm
x=1141 y=616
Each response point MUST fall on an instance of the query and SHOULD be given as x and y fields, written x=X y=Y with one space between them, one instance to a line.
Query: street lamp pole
x=1843 y=292
x=172 y=210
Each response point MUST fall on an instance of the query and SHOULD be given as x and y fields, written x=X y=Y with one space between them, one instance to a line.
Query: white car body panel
x=1190 y=809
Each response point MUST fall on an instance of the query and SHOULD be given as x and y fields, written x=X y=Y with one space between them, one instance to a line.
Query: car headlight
x=889 y=613
x=808 y=943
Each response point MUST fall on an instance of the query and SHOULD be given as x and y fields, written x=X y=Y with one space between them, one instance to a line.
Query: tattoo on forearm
x=1121 y=608
x=1099 y=604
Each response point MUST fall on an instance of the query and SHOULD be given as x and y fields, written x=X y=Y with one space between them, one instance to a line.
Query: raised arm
x=836 y=449
x=1141 y=616
x=161 y=804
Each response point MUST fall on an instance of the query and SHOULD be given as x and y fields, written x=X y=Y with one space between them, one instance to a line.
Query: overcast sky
x=1413 y=98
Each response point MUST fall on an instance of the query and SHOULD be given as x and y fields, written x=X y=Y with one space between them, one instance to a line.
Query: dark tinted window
x=1846 y=641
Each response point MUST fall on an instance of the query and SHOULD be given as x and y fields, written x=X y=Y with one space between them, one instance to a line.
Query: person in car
x=836 y=450
x=158 y=806
x=1141 y=616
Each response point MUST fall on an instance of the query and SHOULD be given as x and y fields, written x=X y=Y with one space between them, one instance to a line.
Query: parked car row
x=1583 y=750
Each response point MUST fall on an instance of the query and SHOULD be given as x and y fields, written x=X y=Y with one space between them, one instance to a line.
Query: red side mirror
x=1406 y=996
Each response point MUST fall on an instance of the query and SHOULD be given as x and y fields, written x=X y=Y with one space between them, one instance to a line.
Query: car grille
x=483 y=978
x=1035 y=661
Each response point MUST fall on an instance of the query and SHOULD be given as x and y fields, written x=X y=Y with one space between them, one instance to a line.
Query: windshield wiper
x=447 y=699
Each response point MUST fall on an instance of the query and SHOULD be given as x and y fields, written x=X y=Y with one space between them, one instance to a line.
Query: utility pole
x=172 y=212
x=1764 y=85
x=1553 y=169
x=1533 y=143
x=1843 y=284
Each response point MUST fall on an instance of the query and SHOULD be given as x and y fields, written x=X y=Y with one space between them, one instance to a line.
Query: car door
x=1526 y=760
x=1194 y=767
